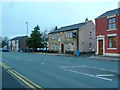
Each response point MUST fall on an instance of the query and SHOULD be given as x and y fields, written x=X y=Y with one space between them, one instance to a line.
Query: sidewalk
x=91 y=56
x=55 y=54
x=106 y=58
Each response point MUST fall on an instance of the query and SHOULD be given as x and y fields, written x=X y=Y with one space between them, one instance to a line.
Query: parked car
x=5 y=50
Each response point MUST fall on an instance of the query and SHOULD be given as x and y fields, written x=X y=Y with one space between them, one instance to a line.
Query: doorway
x=62 y=48
x=100 y=46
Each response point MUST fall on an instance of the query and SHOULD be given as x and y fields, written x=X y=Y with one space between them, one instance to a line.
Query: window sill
x=111 y=29
x=111 y=48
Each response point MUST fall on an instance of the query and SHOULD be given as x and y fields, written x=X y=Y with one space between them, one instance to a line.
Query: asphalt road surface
x=9 y=81
x=49 y=71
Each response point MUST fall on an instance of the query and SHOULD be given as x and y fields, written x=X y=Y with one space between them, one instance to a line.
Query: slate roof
x=19 y=37
x=111 y=12
x=70 y=27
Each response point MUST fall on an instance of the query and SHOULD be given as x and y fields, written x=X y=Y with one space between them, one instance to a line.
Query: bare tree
x=45 y=38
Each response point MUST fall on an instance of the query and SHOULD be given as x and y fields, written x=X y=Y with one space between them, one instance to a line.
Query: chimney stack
x=56 y=28
x=86 y=20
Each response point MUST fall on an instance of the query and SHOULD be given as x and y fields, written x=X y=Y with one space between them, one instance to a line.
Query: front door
x=62 y=48
x=100 y=46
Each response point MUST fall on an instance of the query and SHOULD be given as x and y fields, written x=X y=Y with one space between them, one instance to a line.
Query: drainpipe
x=77 y=37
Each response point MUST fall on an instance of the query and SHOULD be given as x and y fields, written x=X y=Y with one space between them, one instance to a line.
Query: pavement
x=92 y=56
x=106 y=58
x=55 y=54
x=52 y=71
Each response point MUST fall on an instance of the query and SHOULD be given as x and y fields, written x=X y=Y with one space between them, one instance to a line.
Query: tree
x=53 y=29
x=45 y=38
x=35 y=41
x=5 y=41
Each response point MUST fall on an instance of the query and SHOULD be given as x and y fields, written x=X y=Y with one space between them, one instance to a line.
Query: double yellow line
x=21 y=77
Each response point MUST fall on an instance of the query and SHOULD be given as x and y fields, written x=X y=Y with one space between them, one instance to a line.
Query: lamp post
x=27 y=27
x=27 y=32
x=58 y=46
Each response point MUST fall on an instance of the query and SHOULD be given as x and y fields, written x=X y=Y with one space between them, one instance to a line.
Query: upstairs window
x=111 y=23
x=54 y=36
x=69 y=34
x=90 y=34
x=74 y=35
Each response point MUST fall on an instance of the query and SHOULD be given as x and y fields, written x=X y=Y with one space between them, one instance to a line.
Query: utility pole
x=27 y=27
x=27 y=32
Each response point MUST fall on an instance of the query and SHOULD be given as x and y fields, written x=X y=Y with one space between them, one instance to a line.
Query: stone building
x=74 y=37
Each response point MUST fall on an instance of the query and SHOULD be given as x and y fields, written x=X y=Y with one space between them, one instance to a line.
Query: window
x=111 y=22
x=90 y=34
x=74 y=35
x=54 y=46
x=54 y=36
x=69 y=34
x=72 y=43
x=112 y=42
x=90 y=45
x=67 y=46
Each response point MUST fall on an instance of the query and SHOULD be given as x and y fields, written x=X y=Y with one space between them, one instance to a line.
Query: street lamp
x=27 y=32
x=58 y=46
x=27 y=27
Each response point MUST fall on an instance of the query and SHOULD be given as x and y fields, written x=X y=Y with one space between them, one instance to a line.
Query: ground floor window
x=54 y=46
x=112 y=42
x=69 y=46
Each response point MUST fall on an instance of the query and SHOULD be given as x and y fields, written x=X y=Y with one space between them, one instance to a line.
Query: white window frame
x=113 y=16
x=112 y=35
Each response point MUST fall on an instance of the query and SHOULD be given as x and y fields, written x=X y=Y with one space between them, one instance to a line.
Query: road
x=49 y=71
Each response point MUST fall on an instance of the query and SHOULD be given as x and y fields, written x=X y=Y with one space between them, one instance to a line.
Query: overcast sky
x=49 y=14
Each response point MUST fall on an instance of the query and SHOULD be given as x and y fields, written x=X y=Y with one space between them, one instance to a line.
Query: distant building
x=18 y=43
x=108 y=33
x=1 y=42
x=74 y=37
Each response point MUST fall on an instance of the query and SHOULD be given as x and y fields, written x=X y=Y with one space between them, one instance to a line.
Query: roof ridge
x=70 y=27
x=110 y=12
x=72 y=24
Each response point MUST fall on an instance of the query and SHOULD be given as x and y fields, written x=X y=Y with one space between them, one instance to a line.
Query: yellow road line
x=15 y=73
x=27 y=79
x=20 y=78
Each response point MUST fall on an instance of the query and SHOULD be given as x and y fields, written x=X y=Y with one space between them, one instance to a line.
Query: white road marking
x=71 y=66
x=106 y=75
x=100 y=76
x=89 y=75
x=42 y=63
x=101 y=69
x=89 y=67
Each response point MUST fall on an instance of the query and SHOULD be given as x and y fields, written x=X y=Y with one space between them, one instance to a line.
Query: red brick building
x=108 y=33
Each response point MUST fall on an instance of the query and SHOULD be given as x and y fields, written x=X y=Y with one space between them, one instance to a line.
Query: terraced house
x=108 y=33
x=74 y=37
